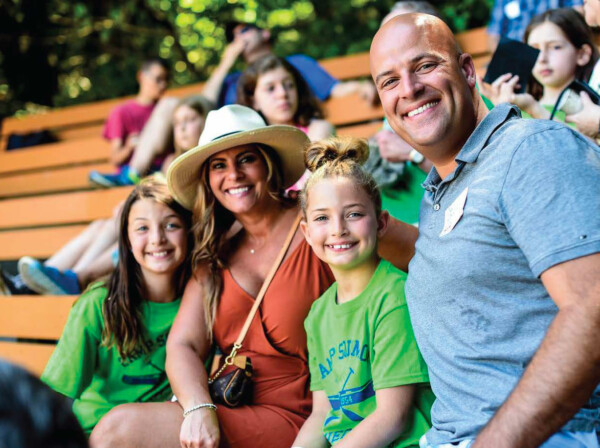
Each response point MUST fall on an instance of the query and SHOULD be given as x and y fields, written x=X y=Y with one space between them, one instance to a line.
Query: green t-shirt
x=403 y=200
x=96 y=378
x=364 y=345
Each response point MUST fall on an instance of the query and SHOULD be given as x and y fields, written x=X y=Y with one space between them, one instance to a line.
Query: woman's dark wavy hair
x=309 y=106
x=123 y=325
x=577 y=32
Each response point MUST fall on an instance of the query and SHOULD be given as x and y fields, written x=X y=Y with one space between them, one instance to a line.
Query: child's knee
x=112 y=429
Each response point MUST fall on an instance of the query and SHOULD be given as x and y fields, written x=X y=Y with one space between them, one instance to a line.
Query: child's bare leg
x=100 y=267
x=105 y=237
x=155 y=137
x=68 y=255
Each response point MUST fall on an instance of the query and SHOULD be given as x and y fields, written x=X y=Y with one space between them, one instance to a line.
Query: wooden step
x=60 y=209
x=51 y=181
x=62 y=154
x=37 y=243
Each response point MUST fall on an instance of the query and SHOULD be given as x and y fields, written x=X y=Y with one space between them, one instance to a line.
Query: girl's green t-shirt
x=361 y=346
x=96 y=378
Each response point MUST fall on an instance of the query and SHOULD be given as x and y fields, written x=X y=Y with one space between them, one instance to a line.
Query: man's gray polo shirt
x=531 y=195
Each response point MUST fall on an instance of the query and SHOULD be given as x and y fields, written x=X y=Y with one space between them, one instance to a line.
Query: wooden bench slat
x=347 y=67
x=67 y=208
x=38 y=243
x=62 y=179
x=31 y=356
x=94 y=149
x=361 y=130
x=351 y=109
x=34 y=317
x=475 y=41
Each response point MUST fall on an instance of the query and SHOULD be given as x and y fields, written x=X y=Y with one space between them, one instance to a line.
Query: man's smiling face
x=425 y=85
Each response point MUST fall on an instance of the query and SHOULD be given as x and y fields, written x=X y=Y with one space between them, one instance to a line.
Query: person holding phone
x=567 y=53
x=587 y=120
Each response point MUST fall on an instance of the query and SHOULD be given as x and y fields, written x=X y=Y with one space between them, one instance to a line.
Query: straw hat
x=232 y=126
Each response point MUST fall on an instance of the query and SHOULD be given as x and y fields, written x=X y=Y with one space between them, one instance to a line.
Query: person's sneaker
x=13 y=285
x=110 y=180
x=46 y=279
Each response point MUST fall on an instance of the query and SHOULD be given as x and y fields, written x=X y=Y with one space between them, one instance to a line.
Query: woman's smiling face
x=238 y=178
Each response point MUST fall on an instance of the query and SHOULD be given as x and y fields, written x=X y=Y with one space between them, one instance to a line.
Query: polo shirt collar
x=482 y=133
x=475 y=143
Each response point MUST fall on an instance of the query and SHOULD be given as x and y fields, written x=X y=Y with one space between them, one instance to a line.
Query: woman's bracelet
x=199 y=406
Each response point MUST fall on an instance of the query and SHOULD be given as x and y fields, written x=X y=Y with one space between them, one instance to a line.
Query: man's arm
x=566 y=368
x=212 y=88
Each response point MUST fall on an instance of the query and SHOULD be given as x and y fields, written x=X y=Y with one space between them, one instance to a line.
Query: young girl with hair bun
x=112 y=350
x=370 y=384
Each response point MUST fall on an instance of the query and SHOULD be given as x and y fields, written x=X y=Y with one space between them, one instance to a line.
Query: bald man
x=504 y=287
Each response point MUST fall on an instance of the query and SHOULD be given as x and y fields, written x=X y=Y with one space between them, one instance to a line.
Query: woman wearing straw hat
x=238 y=173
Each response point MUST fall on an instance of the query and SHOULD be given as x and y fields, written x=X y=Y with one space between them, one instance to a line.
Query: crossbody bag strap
x=266 y=283
x=238 y=342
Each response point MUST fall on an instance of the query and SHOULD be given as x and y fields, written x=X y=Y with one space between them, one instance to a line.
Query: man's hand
x=587 y=119
x=233 y=51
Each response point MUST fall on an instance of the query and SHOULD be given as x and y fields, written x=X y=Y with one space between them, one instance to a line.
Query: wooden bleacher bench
x=37 y=322
x=45 y=199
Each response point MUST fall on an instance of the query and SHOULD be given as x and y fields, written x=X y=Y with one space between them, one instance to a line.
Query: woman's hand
x=200 y=429
x=587 y=119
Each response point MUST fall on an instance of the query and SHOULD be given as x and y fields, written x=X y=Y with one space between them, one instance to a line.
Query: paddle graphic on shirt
x=348 y=397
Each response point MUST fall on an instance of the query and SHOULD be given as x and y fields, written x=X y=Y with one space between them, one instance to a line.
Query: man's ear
x=465 y=62
x=382 y=223
x=266 y=34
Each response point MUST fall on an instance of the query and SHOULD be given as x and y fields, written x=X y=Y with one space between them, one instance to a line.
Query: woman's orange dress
x=276 y=344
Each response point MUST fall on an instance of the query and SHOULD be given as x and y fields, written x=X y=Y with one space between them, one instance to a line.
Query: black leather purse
x=230 y=383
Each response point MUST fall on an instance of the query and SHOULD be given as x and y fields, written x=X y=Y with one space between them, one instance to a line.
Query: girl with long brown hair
x=112 y=350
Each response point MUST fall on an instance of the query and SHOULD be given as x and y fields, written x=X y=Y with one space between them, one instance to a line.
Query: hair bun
x=336 y=150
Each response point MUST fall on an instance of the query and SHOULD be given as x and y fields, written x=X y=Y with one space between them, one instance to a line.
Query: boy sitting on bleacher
x=126 y=121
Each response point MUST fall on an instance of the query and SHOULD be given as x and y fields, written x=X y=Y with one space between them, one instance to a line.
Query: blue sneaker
x=111 y=180
x=11 y=285
x=46 y=279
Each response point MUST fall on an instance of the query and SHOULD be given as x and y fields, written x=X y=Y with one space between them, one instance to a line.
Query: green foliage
x=87 y=50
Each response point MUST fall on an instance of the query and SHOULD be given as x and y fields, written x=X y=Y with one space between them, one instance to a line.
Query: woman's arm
x=319 y=129
x=386 y=423
x=212 y=88
x=188 y=347
x=311 y=433
x=397 y=244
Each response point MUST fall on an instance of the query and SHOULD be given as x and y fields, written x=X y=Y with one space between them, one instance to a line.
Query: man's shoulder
x=521 y=134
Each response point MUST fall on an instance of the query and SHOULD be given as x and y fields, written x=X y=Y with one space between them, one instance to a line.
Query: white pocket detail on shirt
x=454 y=212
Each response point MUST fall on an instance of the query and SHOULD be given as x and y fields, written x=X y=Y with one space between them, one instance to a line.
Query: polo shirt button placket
x=436 y=207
